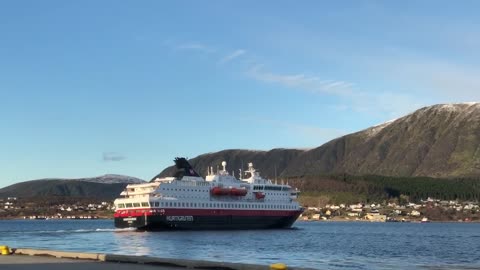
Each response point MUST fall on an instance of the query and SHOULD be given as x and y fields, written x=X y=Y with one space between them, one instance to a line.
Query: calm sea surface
x=321 y=245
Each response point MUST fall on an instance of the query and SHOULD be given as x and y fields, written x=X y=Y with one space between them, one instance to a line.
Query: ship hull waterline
x=207 y=222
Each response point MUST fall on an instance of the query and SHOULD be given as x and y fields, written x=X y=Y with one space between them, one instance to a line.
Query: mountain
x=436 y=141
x=441 y=141
x=103 y=187
x=113 y=179
x=269 y=163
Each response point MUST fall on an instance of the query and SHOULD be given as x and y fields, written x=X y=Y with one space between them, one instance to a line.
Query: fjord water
x=320 y=245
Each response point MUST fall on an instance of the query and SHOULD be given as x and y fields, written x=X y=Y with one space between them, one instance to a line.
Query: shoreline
x=20 y=256
x=299 y=220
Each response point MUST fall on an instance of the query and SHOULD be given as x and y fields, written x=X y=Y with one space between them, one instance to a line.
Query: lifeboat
x=259 y=195
x=218 y=191
x=238 y=192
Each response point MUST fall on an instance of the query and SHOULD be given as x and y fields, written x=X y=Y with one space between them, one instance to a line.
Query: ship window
x=183 y=204
x=145 y=204
x=195 y=205
x=136 y=204
x=121 y=205
x=161 y=203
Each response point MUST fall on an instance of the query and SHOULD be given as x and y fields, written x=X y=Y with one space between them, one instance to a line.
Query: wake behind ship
x=220 y=201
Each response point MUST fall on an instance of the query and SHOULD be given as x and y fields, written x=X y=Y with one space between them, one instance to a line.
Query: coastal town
x=423 y=211
x=426 y=210
x=17 y=208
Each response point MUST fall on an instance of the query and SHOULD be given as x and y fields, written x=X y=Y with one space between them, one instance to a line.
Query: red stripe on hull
x=217 y=222
x=204 y=212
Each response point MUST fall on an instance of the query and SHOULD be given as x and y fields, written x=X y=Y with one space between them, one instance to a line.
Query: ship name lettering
x=179 y=218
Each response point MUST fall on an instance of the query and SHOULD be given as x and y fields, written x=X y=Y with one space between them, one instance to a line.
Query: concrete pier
x=39 y=259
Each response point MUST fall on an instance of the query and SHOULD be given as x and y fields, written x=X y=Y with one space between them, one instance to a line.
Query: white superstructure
x=218 y=190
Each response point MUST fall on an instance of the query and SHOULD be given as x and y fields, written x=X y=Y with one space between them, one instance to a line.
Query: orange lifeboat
x=218 y=191
x=259 y=195
x=238 y=192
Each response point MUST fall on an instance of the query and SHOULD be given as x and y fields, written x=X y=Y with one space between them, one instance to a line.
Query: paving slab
x=25 y=262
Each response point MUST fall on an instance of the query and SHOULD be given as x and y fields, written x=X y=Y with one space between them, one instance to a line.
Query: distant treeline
x=374 y=187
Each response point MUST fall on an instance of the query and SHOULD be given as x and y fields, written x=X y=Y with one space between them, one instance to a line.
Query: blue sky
x=95 y=87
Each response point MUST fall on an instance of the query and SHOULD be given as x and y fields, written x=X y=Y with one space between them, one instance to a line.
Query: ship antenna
x=275 y=172
x=241 y=168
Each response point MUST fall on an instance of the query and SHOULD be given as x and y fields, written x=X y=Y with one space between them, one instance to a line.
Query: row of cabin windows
x=278 y=194
x=254 y=188
x=182 y=189
x=130 y=205
x=208 y=205
x=270 y=188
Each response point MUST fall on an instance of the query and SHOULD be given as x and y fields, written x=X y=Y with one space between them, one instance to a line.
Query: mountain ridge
x=106 y=186
x=440 y=141
x=436 y=141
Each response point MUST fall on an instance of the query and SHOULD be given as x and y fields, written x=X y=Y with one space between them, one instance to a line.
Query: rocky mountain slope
x=436 y=141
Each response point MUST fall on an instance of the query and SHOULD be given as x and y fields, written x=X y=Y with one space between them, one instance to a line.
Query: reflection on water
x=131 y=243
x=324 y=245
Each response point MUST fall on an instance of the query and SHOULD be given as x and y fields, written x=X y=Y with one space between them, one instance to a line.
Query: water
x=321 y=245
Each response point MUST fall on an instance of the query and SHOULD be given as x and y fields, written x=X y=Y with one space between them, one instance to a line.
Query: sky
x=95 y=87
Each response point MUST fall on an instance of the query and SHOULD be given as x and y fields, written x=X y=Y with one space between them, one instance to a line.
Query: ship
x=220 y=201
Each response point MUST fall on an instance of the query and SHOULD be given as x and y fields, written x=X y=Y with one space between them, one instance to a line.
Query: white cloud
x=232 y=56
x=194 y=46
x=387 y=103
x=302 y=82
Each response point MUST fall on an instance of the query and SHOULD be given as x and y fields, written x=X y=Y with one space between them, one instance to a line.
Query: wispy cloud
x=195 y=46
x=232 y=56
x=389 y=103
x=113 y=156
x=302 y=82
